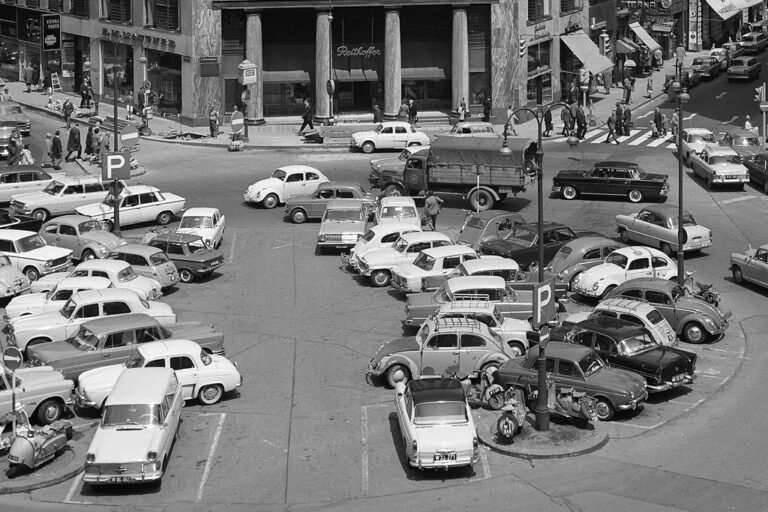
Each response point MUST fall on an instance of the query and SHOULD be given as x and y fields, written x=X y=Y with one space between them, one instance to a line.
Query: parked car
x=343 y=224
x=721 y=54
x=612 y=178
x=744 y=68
x=286 y=182
x=120 y=273
x=30 y=253
x=622 y=265
x=582 y=369
x=754 y=42
x=579 y=255
x=62 y=196
x=20 y=179
x=312 y=206
x=148 y=261
x=745 y=143
x=409 y=277
x=377 y=237
x=751 y=265
x=719 y=165
x=757 y=168
x=473 y=129
x=377 y=264
x=189 y=253
x=694 y=320
x=141 y=418
x=28 y=331
x=54 y=300
x=12 y=111
x=734 y=48
x=389 y=135
x=486 y=225
x=43 y=392
x=440 y=347
x=708 y=67
x=397 y=209
x=436 y=424
x=521 y=243
x=628 y=346
x=204 y=376
x=694 y=142
x=138 y=204
x=657 y=226
x=208 y=223
x=113 y=339
x=84 y=236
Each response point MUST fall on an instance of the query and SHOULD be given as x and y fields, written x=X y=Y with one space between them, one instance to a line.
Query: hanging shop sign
x=145 y=39
x=28 y=25
x=364 y=51
x=51 y=31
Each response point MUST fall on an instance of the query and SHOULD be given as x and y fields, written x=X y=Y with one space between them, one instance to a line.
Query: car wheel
x=380 y=278
x=210 y=394
x=516 y=349
x=624 y=235
x=604 y=409
x=41 y=214
x=507 y=426
x=32 y=273
x=693 y=332
x=607 y=290
x=368 y=147
x=392 y=191
x=270 y=201
x=488 y=366
x=87 y=255
x=569 y=193
x=397 y=373
x=298 y=216
x=496 y=401
x=737 y=275
x=635 y=196
x=186 y=275
x=164 y=218
x=481 y=200
x=411 y=144
x=49 y=411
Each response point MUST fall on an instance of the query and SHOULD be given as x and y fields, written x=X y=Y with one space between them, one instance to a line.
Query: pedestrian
x=213 y=121
x=413 y=114
x=607 y=81
x=47 y=83
x=129 y=108
x=675 y=123
x=649 y=86
x=73 y=142
x=509 y=126
x=658 y=120
x=627 y=120
x=5 y=95
x=611 y=129
x=403 y=111
x=84 y=94
x=57 y=151
x=14 y=147
x=104 y=146
x=89 y=141
x=68 y=108
x=487 y=109
x=432 y=205
x=565 y=117
x=94 y=98
x=658 y=59
x=142 y=94
x=627 y=90
x=618 y=119
x=748 y=125
x=462 y=110
x=26 y=156
x=376 y=114
x=47 y=162
x=95 y=145
x=28 y=76
x=548 y=127
x=581 y=123
x=574 y=108
x=307 y=116
x=161 y=103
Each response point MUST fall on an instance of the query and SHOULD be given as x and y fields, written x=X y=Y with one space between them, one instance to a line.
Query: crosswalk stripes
x=632 y=133
x=636 y=137
x=658 y=142
x=642 y=138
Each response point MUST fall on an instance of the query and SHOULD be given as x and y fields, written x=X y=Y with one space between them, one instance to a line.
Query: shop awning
x=624 y=45
x=665 y=27
x=423 y=73
x=730 y=8
x=586 y=51
x=285 y=77
x=355 y=75
x=645 y=37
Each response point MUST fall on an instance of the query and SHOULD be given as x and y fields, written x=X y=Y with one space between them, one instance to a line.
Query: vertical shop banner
x=51 y=31
x=693 y=25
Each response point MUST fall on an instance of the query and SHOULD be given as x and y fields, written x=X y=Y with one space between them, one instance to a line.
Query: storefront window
x=9 y=58
x=540 y=89
x=538 y=57
x=120 y=69
x=164 y=71
x=431 y=94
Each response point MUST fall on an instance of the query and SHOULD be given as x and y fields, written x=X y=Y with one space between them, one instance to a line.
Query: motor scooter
x=568 y=403
x=513 y=413
x=30 y=447
x=486 y=392
x=700 y=290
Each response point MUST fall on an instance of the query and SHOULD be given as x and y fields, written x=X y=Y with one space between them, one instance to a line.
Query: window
x=74 y=189
x=6 y=246
x=162 y=14
x=472 y=341
x=387 y=130
x=175 y=248
x=345 y=194
x=88 y=311
x=51 y=228
x=565 y=234
x=326 y=193
x=116 y=308
x=639 y=264
x=27 y=177
x=134 y=259
x=567 y=369
x=294 y=178
x=312 y=176
x=390 y=239
x=658 y=262
x=131 y=201
x=67 y=230
x=603 y=342
x=9 y=178
x=62 y=295
x=79 y=8
x=400 y=129
x=157 y=363
x=416 y=248
x=181 y=363
x=147 y=334
x=116 y=10
x=550 y=237
x=449 y=340
x=633 y=319
x=569 y=6
x=99 y=273
x=149 y=197
x=592 y=254
x=451 y=262
x=93 y=187
x=117 y=339
x=657 y=297
x=620 y=174
x=632 y=294
x=537 y=10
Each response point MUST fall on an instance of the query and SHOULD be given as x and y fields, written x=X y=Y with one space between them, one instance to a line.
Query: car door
x=619 y=183
x=641 y=227
x=187 y=373
x=386 y=138
x=68 y=239
x=72 y=197
x=638 y=267
x=29 y=182
x=473 y=348
x=756 y=269
x=118 y=347
x=294 y=185
x=92 y=193
x=139 y=263
x=130 y=210
x=567 y=375
x=440 y=354
x=659 y=231
x=84 y=313
x=400 y=140
x=324 y=196
x=149 y=207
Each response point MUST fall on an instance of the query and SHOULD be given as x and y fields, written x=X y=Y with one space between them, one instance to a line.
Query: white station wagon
x=31 y=254
x=54 y=300
x=61 y=197
x=138 y=203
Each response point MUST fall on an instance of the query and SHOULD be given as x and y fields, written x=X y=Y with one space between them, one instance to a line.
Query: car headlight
x=709 y=321
x=321 y=238
x=563 y=274
x=209 y=244
x=577 y=279
x=152 y=456
x=90 y=457
x=103 y=250
x=48 y=264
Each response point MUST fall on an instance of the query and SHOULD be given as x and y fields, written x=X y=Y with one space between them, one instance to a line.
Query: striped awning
x=587 y=52
x=644 y=36
x=624 y=45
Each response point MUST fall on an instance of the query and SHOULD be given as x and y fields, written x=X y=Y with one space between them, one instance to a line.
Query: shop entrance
x=358 y=96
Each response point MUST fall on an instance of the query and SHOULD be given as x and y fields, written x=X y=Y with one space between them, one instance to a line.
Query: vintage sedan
x=721 y=54
x=486 y=225
x=112 y=340
x=27 y=331
x=377 y=264
x=635 y=311
x=397 y=209
x=582 y=369
x=436 y=424
x=31 y=254
x=757 y=167
x=694 y=320
x=657 y=226
x=473 y=129
x=286 y=182
x=622 y=265
x=707 y=67
x=389 y=135
x=149 y=262
x=694 y=142
x=719 y=165
x=11 y=111
x=54 y=300
x=745 y=143
x=441 y=347
x=377 y=237
x=754 y=42
x=312 y=206
x=120 y=273
x=342 y=225
x=579 y=255
x=12 y=281
x=62 y=196
x=138 y=204
x=610 y=178
x=189 y=254
x=734 y=49
x=744 y=68
x=625 y=345
x=409 y=277
x=208 y=223
x=84 y=236
x=43 y=392
x=751 y=265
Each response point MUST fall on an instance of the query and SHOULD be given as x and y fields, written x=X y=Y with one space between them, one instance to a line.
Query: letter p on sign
x=116 y=166
x=544 y=305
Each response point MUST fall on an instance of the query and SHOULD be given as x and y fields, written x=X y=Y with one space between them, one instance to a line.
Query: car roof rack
x=453 y=322
x=625 y=302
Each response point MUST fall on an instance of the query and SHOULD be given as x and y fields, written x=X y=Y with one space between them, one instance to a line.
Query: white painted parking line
x=688 y=118
x=659 y=141
x=211 y=452
x=644 y=427
x=672 y=146
x=593 y=133
x=364 y=455
x=644 y=137
x=687 y=404
x=484 y=462
x=721 y=95
x=731 y=120
x=644 y=115
x=737 y=199
x=72 y=488
x=232 y=249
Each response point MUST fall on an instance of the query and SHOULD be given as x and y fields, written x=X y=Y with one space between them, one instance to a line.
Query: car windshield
x=343 y=215
x=723 y=159
x=440 y=295
x=700 y=61
x=379 y=128
x=54 y=188
x=279 y=174
x=401 y=245
x=563 y=253
x=196 y=221
x=702 y=137
x=654 y=317
x=127 y=274
x=197 y=245
x=688 y=220
x=521 y=236
x=135 y=361
x=90 y=225
x=398 y=211
x=677 y=292
x=84 y=340
x=4 y=260
x=424 y=261
x=591 y=364
x=134 y=414
x=68 y=308
x=158 y=258
x=440 y=412
x=205 y=357
x=404 y=154
x=633 y=346
x=745 y=140
x=617 y=259
x=30 y=243
x=368 y=236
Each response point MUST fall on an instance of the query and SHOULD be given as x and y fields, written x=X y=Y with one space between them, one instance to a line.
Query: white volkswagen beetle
x=287 y=181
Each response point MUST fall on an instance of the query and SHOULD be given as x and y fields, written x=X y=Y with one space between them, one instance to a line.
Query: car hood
x=123 y=444
x=9 y=274
x=405 y=344
x=108 y=240
x=22 y=303
x=95 y=210
x=40 y=375
x=747 y=151
x=409 y=270
x=602 y=271
x=616 y=380
x=265 y=184
x=661 y=357
x=101 y=379
x=49 y=252
x=162 y=312
x=55 y=351
x=365 y=135
x=41 y=321
x=332 y=227
x=33 y=197
x=456 y=436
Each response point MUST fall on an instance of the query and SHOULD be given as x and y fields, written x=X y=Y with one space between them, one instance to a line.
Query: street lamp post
x=542 y=409
x=681 y=96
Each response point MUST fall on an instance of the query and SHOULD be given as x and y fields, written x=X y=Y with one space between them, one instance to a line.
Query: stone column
x=254 y=50
x=459 y=58
x=393 y=73
x=322 y=66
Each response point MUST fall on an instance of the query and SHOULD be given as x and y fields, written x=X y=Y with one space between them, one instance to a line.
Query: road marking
x=737 y=199
x=73 y=488
x=484 y=462
x=232 y=250
x=211 y=452
x=644 y=137
x=672 y=146
x=659 y=141
x=721 y=95
x=688 y=118
x=644 y=115
x=646 y=427
x=364 y=456
x=687 y=404
x=593 y=133
x=632 y=133
x=731 y=120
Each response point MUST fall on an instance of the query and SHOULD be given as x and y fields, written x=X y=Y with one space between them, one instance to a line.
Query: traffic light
x=760 y=94
x=523 y=51
x=606 y=39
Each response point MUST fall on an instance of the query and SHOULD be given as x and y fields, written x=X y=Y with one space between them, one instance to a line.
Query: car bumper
x=150 y=473
x=82 y=401
x=556 y=190
x=695 y=245
x=677 y=381
x=427 y=461
x=15 y=289
x=58 y=268
x=374 y=369
x=635 y=403
x=739 y=76
x=730 y=180
x=587 y=292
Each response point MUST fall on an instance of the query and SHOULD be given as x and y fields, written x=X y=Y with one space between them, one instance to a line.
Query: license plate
x=120 y=479
x=441 y=457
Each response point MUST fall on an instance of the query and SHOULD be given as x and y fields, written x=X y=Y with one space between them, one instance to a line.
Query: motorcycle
x=513 y=413
x=486 y=393
x=700 y=290
x=569 y=403
x=29 y=447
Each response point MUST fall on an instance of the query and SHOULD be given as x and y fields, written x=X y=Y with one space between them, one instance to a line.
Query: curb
x=251 y=147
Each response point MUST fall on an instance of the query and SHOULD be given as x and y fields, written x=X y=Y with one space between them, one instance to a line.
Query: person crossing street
x=432 y=205
x=611 y=129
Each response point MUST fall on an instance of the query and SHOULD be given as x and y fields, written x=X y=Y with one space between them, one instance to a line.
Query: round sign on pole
x=237 y=122
x=147 y=85
x=129 y=136
x=12 y=358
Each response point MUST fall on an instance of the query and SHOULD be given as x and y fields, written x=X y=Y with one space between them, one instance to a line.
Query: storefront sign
x=51 y=31
x=146 y=40
x=693 y=24
x=363 y=51
x=28 y=25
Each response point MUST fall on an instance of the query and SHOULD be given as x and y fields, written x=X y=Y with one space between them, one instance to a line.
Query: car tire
x=393 y=191
x=737 y=275
x=516 y=349
x=604 y=409
x=569 y=193
x=368 y=147
x=41 y=214
x=270 y=201
x=488 y=366
x=32 y=273
x=397 y=373
x=507 y=427
x=380 y=278
x=298 y=216
x=210 y=394
x=164 y=218
x=635 y=196
x=186 y=275
x=694 y=333
x=49 y=411
x=87 y=255
x=666 y=249
x=624 y=235
x=481 y=200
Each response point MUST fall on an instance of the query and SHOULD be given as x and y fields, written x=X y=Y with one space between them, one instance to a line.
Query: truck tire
x=481 y=200
x=393 y=190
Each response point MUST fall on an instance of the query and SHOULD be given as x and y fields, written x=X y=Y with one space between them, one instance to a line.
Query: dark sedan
x=758 y=170
x=708 y=67
x=301 y=208
x=745 y=143
x=623 y=179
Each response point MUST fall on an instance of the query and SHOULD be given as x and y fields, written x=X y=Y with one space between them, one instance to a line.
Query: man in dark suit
x=73 y=143
x=581 y=123
x=308 y=116
x=57 y=151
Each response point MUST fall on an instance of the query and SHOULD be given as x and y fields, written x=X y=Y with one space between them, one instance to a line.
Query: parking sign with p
x=544 y=304
x=116 y=166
